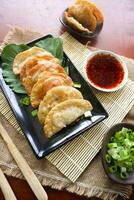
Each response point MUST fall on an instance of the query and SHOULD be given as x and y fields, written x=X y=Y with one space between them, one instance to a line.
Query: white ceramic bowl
x=118 y=58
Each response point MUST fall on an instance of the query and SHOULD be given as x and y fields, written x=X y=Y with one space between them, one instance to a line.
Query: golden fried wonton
x=35 y=61
x=44 y=84
x=22 y=57
x=32 y=75
x=96 y=12
x=54 y=96
x=75 y=24
x=83 y=16
x=64 y=114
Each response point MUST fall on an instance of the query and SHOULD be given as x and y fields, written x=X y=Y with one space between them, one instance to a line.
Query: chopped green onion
x=113 y=152
x=123 y=169
x=67 y=70
x=132 y=151
x=108 y=158
x=112 y=139
x=124 y=175
x=77 y=85
x=128 y=143
x=120 y=153
x=34 y=113
x=112 y=169
x=123 y=154
x=25 y=101
x=112 y=145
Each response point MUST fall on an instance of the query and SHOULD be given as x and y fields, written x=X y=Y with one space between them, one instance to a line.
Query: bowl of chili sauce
x=105 y=71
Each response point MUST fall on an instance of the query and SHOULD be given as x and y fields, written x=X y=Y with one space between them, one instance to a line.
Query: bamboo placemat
x=74 y=157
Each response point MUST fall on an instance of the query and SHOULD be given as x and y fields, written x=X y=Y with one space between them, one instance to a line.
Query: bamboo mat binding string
x=72 y=158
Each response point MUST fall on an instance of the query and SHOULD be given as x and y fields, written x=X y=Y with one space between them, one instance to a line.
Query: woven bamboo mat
x=74 y=157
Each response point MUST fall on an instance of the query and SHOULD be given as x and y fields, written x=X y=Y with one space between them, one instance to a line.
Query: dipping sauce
x=104 y=71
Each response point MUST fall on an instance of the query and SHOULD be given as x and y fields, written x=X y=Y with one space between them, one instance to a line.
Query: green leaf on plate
x=53 y=45
x=8 y=54
x=11 y=50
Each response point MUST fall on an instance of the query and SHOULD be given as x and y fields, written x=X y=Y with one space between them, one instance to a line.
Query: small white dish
x=122 y=64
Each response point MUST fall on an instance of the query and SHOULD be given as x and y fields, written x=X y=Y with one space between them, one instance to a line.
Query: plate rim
x=41 y=153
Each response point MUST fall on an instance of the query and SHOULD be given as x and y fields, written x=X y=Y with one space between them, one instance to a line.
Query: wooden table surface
x=43 y=16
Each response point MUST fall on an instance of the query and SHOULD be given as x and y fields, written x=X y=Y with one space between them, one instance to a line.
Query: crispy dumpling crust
x=64 y=114
x=32 y=75
x=22 y=57
x=44 y=84
x=96 y=11
x=54 y=96
x=83 y=16
x=35 y=61
x=75 y=24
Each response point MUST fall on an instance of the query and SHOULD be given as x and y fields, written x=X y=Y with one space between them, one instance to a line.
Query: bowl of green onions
x=118 y=153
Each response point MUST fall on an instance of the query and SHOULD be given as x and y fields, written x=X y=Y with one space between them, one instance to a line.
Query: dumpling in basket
x=32 y=75
x=43 y=85
x=22 y=57
x=54 y=96
x=64 y=114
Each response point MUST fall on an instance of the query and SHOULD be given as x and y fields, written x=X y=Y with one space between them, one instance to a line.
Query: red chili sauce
x=104 y=71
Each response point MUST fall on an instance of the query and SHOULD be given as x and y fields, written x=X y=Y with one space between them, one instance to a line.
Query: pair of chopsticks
x=32 y=180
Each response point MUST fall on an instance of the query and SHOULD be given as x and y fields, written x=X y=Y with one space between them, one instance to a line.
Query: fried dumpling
x=95 y=11
x=22 y=57
x=74 y=23
x=54 y=96
x=83 y=14
x=44 y=84
x=35 y=61
x=30 y=76
x=64 y=114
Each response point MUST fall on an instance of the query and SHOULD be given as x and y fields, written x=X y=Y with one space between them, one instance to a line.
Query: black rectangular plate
x=31 y=127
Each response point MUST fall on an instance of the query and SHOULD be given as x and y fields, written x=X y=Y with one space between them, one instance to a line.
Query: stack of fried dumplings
x=50 y=89
x=83 y=16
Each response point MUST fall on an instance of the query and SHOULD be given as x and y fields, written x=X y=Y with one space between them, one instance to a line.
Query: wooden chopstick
x=24 y=167
x=5 y=187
